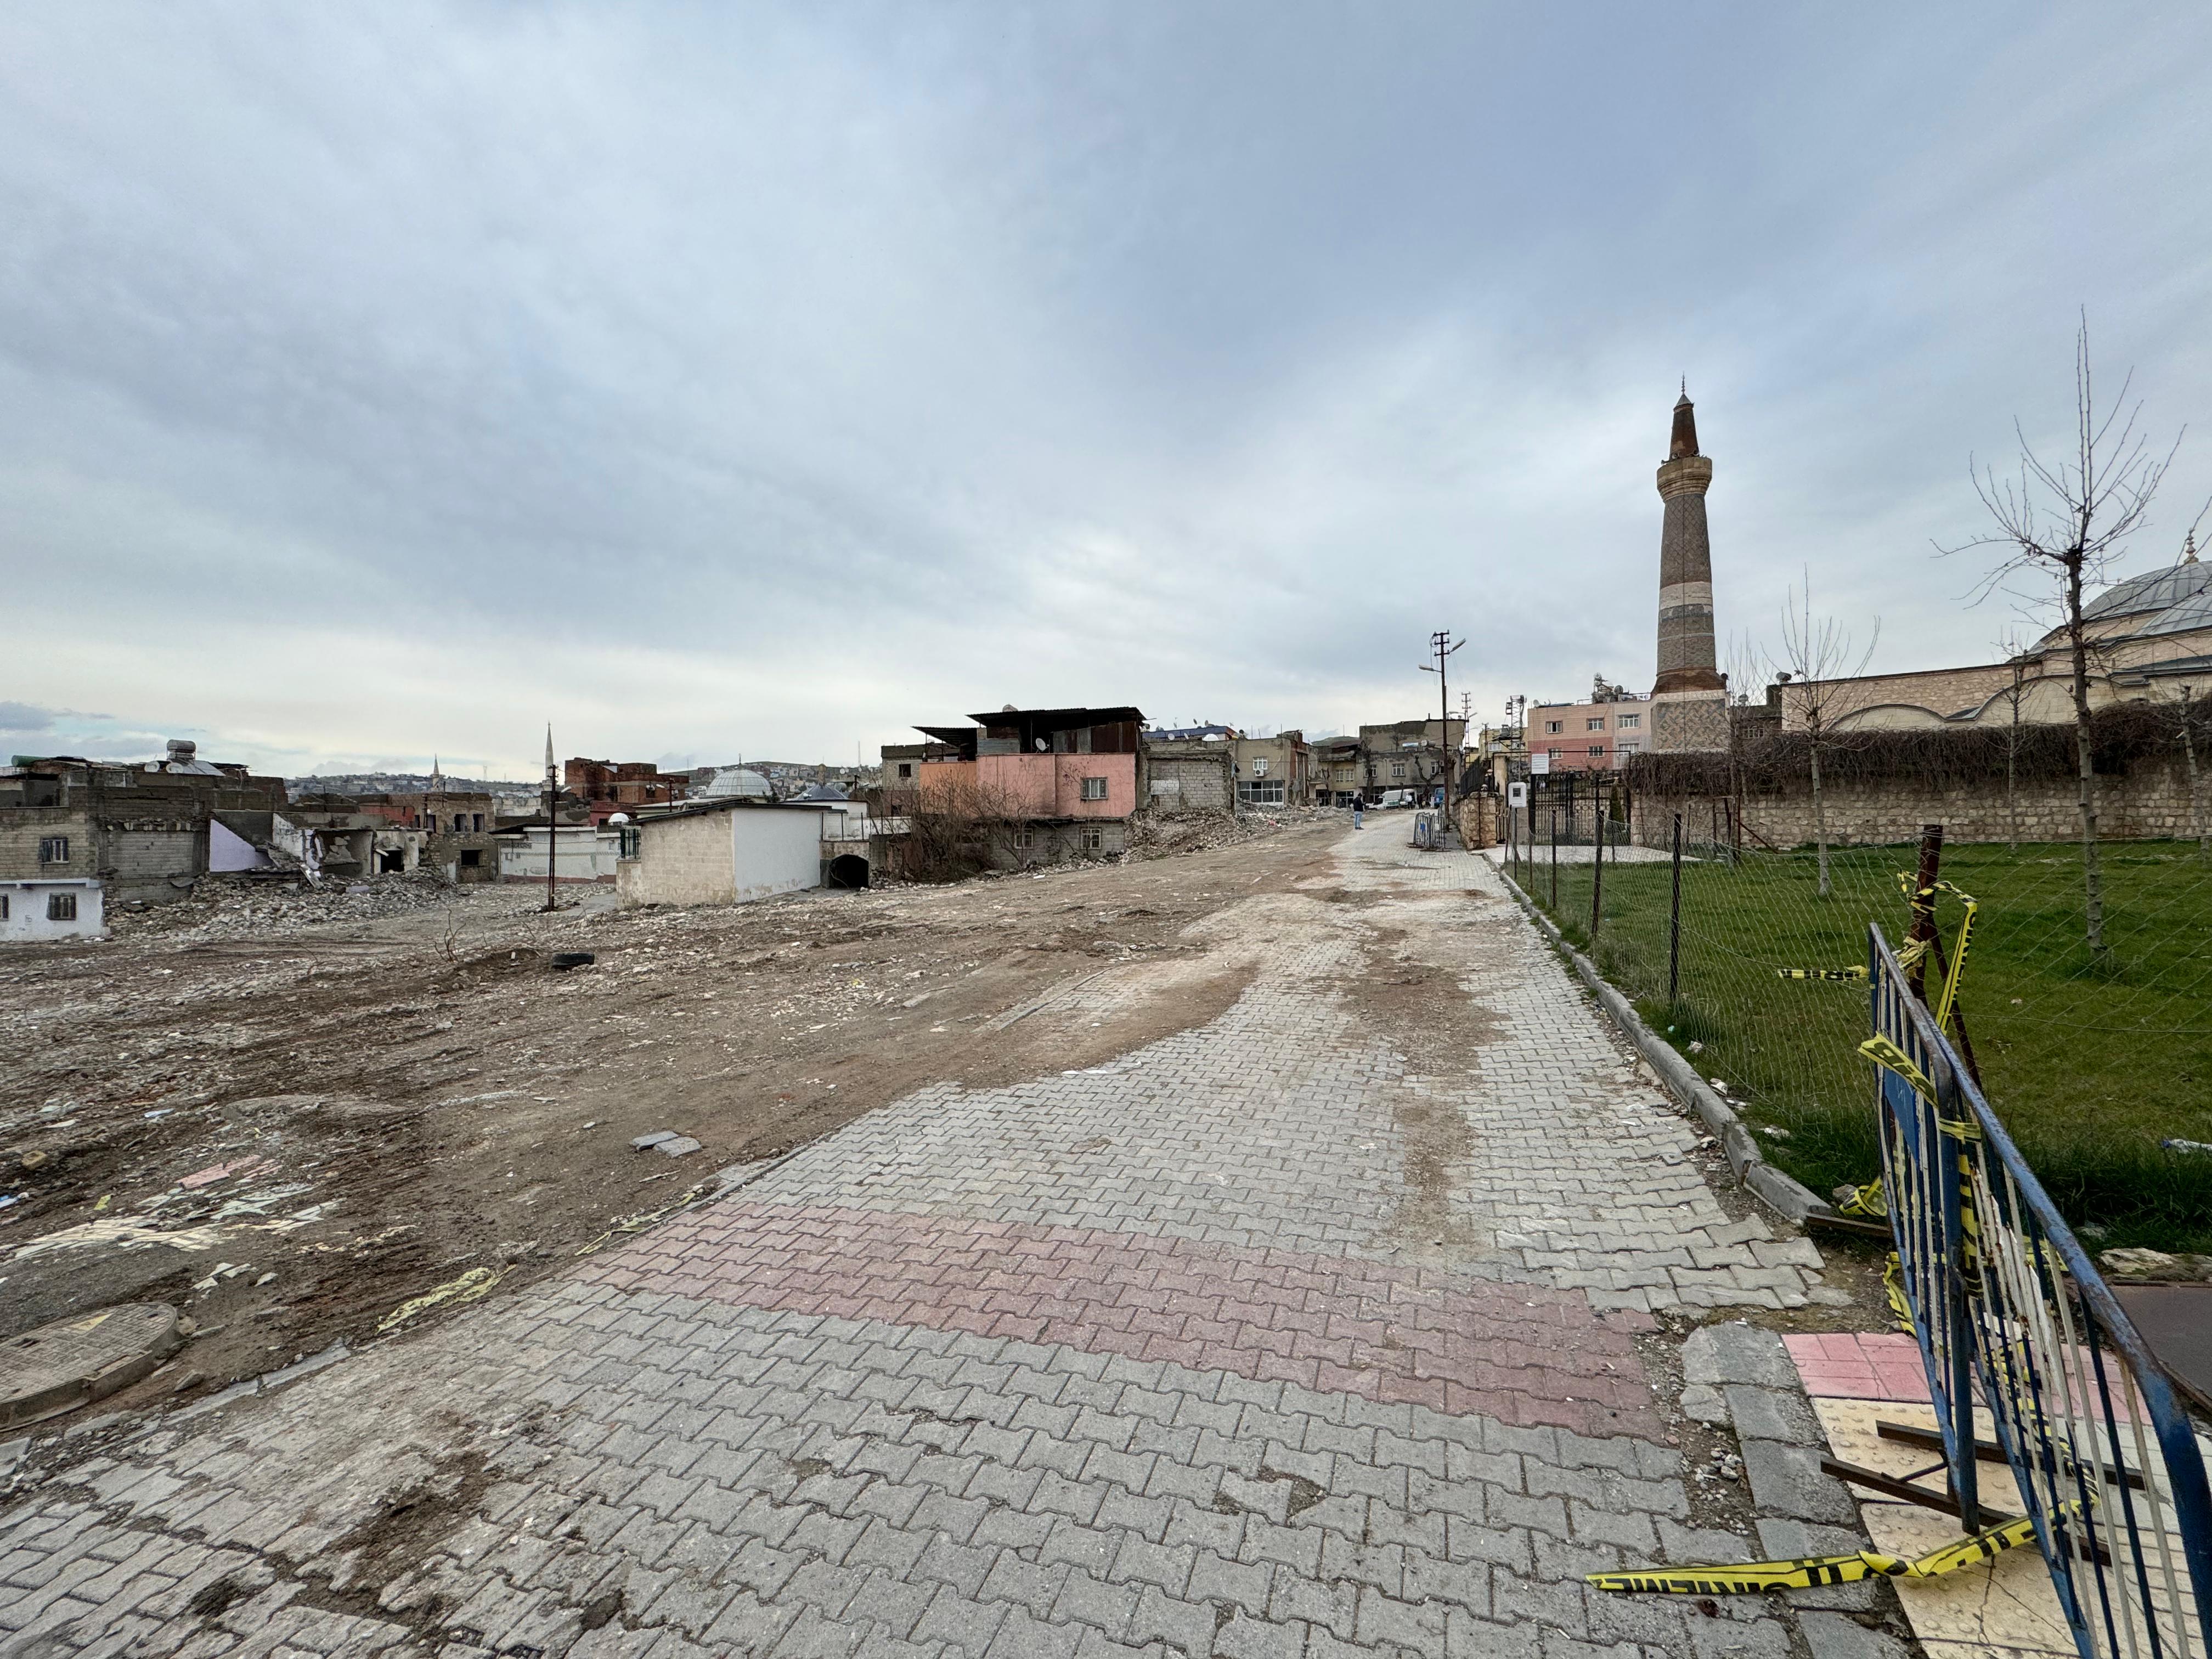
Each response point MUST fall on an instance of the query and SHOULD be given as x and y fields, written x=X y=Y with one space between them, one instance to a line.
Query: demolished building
x=141 y=831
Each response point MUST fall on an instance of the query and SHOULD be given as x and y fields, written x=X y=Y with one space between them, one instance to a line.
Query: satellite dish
x=1039 y=743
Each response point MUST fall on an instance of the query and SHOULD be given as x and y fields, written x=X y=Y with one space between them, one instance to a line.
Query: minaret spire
x=1689 y=696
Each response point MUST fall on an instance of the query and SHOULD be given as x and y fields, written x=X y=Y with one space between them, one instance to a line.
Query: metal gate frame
x=2012 y=1315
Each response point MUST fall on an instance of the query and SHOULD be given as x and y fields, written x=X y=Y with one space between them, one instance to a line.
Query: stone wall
x=2149 y=801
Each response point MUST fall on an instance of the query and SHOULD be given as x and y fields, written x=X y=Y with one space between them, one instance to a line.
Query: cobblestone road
x=1298 y=1333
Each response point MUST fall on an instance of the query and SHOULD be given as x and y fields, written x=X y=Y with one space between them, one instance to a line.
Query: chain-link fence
x=1749 y=959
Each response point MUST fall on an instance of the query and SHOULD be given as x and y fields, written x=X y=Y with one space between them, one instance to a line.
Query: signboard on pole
x=1517 y=795
x=1539 y=765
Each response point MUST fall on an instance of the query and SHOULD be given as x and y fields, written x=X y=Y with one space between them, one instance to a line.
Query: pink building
x=1589 y=737
x=1051 y=783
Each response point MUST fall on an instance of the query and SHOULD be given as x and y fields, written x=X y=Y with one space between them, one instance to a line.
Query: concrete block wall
x=683 y=860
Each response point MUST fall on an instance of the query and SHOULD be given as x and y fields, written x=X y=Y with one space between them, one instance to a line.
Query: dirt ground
x=291 y=1127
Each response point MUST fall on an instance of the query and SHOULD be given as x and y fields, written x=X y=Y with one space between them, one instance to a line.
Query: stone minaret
x=1690 y=697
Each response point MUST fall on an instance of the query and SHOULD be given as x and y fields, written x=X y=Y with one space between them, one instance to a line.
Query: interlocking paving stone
x=1523 y=1353
x=961 y=1380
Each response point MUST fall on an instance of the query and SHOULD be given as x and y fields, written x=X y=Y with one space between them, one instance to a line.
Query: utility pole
x=1441 y=644
x=552 y=828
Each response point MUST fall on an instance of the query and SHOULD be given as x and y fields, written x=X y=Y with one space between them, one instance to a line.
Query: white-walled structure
x=58 y=908
x=724 y=852
x=584 y=853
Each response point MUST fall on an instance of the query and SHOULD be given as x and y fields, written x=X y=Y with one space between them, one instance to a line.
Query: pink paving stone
x=1525 y=1354
x=1859 y=1366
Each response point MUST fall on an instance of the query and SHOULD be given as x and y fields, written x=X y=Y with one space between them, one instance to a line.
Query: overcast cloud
x=380 y=380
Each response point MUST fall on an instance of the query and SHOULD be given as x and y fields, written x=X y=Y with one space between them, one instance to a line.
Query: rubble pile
x=226 y=908
x=1151 y=837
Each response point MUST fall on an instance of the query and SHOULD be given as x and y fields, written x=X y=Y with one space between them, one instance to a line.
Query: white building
x=736 y=850
x=56 y=908
x=583 y=852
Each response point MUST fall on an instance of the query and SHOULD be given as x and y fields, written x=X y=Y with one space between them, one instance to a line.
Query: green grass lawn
x=2090 y=1063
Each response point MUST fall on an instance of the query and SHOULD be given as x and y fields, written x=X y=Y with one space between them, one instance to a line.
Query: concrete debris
x=676 y=1146
x=653 y=1140
x=220 y=908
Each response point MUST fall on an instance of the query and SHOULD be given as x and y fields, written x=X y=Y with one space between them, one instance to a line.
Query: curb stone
x=1788 y=1198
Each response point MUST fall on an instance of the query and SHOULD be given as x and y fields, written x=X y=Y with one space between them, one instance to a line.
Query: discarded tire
x=564 y=960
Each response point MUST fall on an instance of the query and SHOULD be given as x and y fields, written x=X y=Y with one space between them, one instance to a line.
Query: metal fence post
x=1555 y=858
x=1675 y=924
x=1597 y=871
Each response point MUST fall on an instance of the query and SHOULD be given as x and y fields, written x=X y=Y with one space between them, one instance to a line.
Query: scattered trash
x=159 y=1112
x=475 y=1283
x=216 y=1172
x=1773 y=1133
x=2181 y=1144
x=102 y=1204
x=7 y=1199
x=224 y=1270
x=640 y=1222
x=1695 y=1047
x=266 y=1278
x=1719 y=1087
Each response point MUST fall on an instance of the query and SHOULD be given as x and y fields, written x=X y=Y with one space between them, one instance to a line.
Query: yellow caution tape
x=1892 y=1285
x=1820 y=973
x=1871 y=1200
x=1810 y=1571
x=1887 y=1055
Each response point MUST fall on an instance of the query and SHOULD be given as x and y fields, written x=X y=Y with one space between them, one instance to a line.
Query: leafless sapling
x=2069 y=520
x=1819 y=654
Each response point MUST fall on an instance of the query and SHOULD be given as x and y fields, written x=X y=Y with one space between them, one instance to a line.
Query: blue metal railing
x=2013 y=1318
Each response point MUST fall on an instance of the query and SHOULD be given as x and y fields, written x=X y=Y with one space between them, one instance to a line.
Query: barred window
x=1094 y=838
x=61 y=907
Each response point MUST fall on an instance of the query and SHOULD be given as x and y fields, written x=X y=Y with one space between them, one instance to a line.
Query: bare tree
x=2067 y=520
x=1822 y=665
x=2016 y=659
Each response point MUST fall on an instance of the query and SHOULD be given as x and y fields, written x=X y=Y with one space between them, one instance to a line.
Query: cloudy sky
x=384 y=379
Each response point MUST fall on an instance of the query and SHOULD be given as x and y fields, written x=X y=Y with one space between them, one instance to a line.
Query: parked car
x=1397 y=798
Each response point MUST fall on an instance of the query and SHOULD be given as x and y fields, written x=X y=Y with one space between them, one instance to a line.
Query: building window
x=53 y=849
x=4 y=907
x=1094 y=789
x=1024 y=837
x=1270 y=792
x=478 y=820
x=1551 y=726
x=1597 y=725
x=629 y=836
x=1258 y=766
x=1398 y=769
x=906 y=768
x=61 y=907
x=1094 y=837
x=1553 y=752
x=471 y=858
x=1597 y=751
x=1630 y=722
